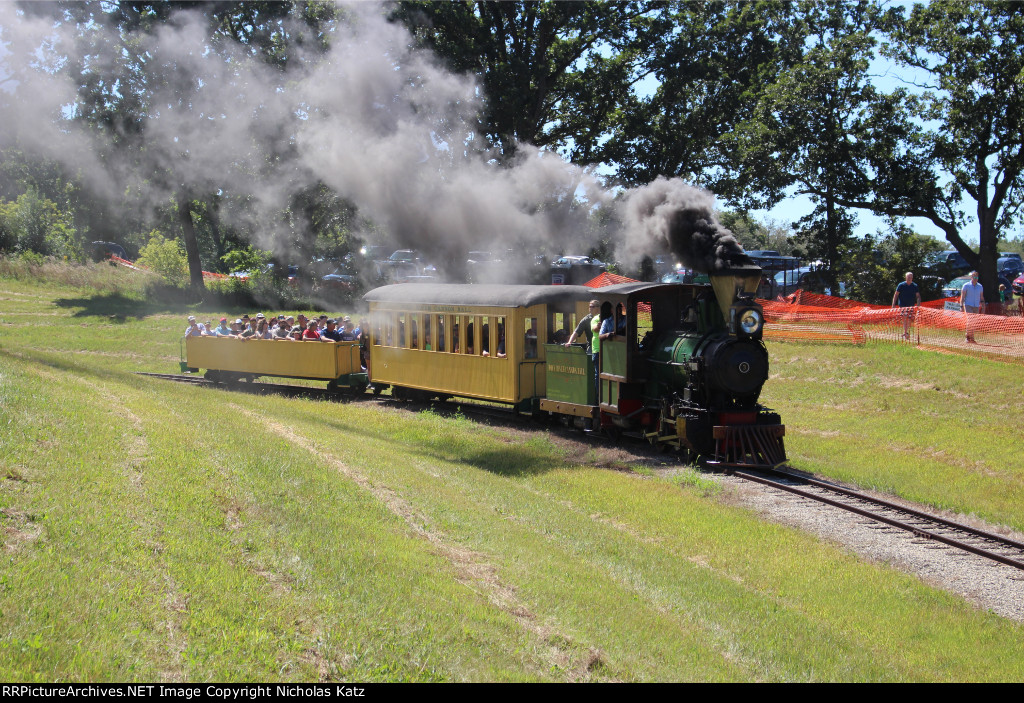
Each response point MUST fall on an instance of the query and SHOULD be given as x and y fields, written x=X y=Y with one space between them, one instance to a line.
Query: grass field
x=159 y=531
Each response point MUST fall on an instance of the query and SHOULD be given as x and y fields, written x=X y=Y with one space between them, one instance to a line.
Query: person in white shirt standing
x=972 y=300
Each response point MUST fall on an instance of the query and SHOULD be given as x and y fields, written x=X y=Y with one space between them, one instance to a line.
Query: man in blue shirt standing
x=907 y=296
x=972 y=299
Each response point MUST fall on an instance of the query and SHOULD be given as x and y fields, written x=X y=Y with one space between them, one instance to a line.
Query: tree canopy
x=757 y=100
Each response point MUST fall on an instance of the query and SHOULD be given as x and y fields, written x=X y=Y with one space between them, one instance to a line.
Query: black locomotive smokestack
x=669 y=214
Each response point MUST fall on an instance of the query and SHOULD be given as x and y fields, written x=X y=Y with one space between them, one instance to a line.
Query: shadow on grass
x=156 y=301
x=117 y=306
x=67 y=364
x=510 y=460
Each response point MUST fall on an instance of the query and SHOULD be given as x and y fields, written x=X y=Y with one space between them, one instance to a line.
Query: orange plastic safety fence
x=207 y=275
x=998 y=336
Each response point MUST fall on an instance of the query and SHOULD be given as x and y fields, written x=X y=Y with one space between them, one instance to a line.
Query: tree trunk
x=188 y=232
x=988 y=253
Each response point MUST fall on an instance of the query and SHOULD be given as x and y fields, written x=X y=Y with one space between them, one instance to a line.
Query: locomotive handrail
x=666 y=363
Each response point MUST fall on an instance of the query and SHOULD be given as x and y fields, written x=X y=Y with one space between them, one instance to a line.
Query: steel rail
x=1014 y=544
x=926 y=534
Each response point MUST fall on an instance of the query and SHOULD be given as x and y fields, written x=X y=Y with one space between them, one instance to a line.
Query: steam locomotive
x=684 y=368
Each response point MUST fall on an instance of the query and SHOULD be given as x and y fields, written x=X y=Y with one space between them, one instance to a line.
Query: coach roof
x=498 y=296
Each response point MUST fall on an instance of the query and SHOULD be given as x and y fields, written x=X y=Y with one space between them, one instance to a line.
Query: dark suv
x=948 y=264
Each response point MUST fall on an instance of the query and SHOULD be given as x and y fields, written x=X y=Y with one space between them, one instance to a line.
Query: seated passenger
x=248 y=331
x=296 y=334
x=262 y=330
x=195 y=329
x=331 y=332
x=311 y=332
x=222 y=330
x=348 y=332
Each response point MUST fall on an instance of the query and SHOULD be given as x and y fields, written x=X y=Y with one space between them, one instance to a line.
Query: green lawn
x=154 y=530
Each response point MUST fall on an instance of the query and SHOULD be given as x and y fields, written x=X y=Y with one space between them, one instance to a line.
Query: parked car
x=575 y=270
x=947 y=264
x=1009 y=267
x=952 y=289
x=481 y=267
x=403 y=264
x=806 y=278
x=374 y=252
x=339 y=280
x=1018 y=286
x=685 y=276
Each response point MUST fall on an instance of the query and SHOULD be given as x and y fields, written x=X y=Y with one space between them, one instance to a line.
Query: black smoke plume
x=669 y=214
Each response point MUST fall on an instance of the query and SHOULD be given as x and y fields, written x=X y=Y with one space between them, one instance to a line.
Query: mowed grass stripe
x=85 y=598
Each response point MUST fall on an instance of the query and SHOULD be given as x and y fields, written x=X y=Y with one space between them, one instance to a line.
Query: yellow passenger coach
x=473 y=341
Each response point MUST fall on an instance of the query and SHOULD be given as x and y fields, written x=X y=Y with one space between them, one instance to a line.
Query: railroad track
x=281 y=389
x=969 y=539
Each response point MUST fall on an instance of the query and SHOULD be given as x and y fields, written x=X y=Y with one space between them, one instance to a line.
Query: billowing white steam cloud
x=379 y=121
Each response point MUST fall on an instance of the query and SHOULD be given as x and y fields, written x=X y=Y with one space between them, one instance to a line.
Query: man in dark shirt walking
x=907 y=295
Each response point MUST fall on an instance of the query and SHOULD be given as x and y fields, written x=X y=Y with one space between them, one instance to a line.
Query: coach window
x=462 y=335
x=472 y=334
x=644 y=322
x=530 y=346
x=499 y=339
x=485 y=335
x=438 y=333
x=401 y=330
x=444 y=333
x=389 y=329
x=427 y=337
x=560 y=327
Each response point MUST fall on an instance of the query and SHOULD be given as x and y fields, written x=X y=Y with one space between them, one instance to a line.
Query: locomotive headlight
x=751 y=322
